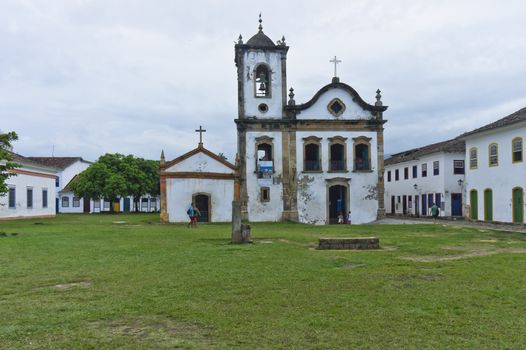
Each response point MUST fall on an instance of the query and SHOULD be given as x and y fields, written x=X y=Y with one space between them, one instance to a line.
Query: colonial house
x=306 y=162
x=496 y=171
x=417 y=178
x=66 y=201
x=69 y=168
x=31 y=191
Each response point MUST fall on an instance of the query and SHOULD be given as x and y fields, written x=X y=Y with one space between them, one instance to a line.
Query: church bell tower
x=262 y=76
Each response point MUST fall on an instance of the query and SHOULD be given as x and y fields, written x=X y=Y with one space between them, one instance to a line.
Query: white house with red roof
x=31 y=192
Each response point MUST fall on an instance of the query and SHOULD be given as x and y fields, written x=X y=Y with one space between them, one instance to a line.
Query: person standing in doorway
x=349 y=218
x=435 y=210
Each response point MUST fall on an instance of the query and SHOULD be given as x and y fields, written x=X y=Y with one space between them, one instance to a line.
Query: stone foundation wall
x=357 y=243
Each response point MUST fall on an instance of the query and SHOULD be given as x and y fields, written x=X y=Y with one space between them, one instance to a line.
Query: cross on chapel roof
x=335 y=61
x=200 y=131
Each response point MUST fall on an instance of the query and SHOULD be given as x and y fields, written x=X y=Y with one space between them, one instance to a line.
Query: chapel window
x=262 y=81
x=516 y=145
x=265 y=194
x=264 y=158
x=436 y=167
x=493 y=155
x=311 y=154
x=337 y=161
x=362 y=153
x=473 y=158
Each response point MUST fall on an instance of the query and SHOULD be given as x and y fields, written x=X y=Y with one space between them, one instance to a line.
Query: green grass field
x=127 y=282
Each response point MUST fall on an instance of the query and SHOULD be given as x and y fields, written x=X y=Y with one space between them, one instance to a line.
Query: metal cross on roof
x=335 y=61
x=200 y=131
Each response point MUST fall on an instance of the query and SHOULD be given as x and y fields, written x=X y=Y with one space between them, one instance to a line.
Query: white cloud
x=136 y=77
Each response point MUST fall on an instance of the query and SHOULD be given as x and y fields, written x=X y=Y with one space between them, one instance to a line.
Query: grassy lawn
x=126 y=282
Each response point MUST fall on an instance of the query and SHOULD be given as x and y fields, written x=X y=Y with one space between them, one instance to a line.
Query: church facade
x=311 y=162
x=307 y=162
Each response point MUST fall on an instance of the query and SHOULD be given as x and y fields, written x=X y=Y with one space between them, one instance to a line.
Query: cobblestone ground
x=481 y=225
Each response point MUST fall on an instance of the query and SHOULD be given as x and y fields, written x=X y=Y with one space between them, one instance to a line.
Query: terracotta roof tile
x=516 y=117
x=449 y=146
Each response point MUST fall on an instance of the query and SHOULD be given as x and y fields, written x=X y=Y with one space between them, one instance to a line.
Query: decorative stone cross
x=335 y=61
x=200 y=131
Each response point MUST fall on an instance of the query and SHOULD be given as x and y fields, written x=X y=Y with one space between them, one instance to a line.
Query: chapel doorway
x=337 y=203
x=202 y=202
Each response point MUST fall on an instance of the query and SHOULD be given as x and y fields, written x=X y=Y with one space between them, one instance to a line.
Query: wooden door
x=518 y=205
x=473 y=205
x=488 y=205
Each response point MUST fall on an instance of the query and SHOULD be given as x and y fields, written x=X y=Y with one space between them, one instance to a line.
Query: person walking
x=435 y=210
x=191 y=214
x=349 y=218
x=197 y=213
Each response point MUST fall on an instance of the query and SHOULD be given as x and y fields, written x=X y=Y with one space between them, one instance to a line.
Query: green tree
x=115 y=175
x=6 y=158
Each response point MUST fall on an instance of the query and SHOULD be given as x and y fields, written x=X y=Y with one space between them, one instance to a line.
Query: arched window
x=473 y=158
x=262 y=81
x=311 y=154
x=516 y=150
x=265 y=158
x=493 y=153
x=337 y=154
x=362 y=154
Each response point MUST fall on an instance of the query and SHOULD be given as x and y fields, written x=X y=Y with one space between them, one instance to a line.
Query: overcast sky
x=134 y=77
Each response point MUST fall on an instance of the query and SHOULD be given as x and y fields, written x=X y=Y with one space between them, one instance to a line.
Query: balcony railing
x=362 y=165
x=337 y=165
x=312 y=165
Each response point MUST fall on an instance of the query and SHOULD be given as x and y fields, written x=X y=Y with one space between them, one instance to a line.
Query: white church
x=308 y=162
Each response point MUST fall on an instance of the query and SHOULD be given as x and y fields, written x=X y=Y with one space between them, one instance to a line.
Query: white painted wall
x=500 y=179
x=21 y=182
x=445 y=183
x=312 y=187
x=251 y=59
x=69 y=172
x=319 y=109
x=179 y=194
x=200 y=162
x=273 y=209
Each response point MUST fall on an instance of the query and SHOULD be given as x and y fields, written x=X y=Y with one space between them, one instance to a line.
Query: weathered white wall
x=273 y=209
x=69 y=172
x=21 y=182
x=275 y=104
x=500 y=179
x=444 y=183
x=200 y=162
x=313 y=189
x=319 y=109
x=179 y=194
